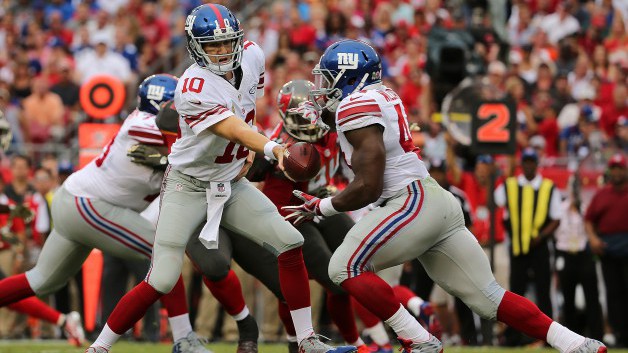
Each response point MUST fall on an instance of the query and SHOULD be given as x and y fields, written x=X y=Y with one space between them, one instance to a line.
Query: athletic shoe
x=375 y=348
x=432 y=345
x=190 y=344
x=73 y=329
x=247 y=347
x=293 y=347
x=313 y=344
x=363 y=349
x=96 y=350
x=590 y=346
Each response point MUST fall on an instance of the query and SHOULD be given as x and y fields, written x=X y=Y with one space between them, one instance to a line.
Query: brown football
x=302 y=161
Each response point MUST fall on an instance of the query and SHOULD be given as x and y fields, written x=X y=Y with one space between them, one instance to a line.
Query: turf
x=56 y=347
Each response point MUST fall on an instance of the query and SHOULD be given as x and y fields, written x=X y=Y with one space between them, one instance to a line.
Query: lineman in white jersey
x=98 y=207
x=215 y=99
x=416 y=218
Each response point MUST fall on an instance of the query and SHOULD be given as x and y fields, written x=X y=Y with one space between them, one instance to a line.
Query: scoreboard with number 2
x=493 y=127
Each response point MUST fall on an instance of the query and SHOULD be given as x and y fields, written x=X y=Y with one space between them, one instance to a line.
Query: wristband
x=268 y=149
x=326 y=207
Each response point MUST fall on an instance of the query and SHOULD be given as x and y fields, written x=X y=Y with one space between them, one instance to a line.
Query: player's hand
x=148 y=156
x=597 y=245
x=305 y=212
x=279 y=152
x=247 y=165
x=308 y=111
x=21 y=211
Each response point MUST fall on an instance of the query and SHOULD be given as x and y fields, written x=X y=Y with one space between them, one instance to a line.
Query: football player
x=98 y=207
x=215 y=99
x=415 y=217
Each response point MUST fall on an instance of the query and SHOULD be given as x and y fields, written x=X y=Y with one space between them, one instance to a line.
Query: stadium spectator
x=100 y=61
x=607 y=230
x=19 y=190
x=615 y=109
x=575 y=265
x=42 y=116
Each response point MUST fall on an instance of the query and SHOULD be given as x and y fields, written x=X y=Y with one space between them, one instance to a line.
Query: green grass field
x=123 y=347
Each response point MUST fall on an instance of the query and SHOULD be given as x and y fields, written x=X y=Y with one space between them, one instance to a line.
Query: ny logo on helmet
x=347 y=60
x=155 y=92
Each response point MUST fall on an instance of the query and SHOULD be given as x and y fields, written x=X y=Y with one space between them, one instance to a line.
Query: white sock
x=378 y=334
x=61 y=320
x=106 y=338
x=406 y=326
x=302 y=319
x=242 y=314
x=357 y=343
x=563 y=339
x=180 y=326
x=291 y=338
x=414 y=305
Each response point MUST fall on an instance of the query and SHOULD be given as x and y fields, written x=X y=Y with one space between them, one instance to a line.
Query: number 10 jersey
x=202 y=99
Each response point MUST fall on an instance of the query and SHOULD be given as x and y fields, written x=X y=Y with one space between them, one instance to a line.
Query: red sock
x=368 y=319
x=286 y=318
x=175 y=302
x=374 y=293
x=522 y=315
x=293 y=279
x=36 y=308
x=403 y=294
x=14 y=289
x=341 y=312
x=132 y=307
x=228 y=292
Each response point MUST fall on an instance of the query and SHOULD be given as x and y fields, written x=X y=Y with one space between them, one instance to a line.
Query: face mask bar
x=323 y=96
x=196 y=48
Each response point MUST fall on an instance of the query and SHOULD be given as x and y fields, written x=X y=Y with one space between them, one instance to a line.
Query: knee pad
x=337 y=269
x=486 y=302
x=165 y=269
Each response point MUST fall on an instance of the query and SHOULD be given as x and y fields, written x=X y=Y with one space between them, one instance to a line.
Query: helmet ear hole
x=351 y=81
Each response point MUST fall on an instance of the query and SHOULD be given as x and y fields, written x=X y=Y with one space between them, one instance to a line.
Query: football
x=301 y=161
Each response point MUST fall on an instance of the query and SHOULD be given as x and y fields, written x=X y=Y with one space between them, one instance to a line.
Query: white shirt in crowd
x=570 y=235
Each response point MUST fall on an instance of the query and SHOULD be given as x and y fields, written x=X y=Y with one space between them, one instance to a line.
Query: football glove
x=308 y=111
x=21 y=211
x=305 y=212
x=148 y=156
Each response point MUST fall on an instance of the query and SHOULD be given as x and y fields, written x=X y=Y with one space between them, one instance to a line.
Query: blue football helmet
x=346 y=66
x=213 y=23
x=155 y=90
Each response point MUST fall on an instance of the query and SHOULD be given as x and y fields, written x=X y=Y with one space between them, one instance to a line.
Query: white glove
x=308 y=111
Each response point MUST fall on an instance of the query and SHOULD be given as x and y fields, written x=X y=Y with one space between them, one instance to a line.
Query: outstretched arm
x=236 y=130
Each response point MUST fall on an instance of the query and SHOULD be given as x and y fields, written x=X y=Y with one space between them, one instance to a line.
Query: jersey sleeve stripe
x=370 y=109
x=194 y=120
x=352 y=104
x=145 y=129
x=205 y=116
x=357 y=116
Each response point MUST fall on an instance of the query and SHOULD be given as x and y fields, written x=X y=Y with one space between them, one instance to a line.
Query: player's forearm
x=358 y=194
x=236 y=130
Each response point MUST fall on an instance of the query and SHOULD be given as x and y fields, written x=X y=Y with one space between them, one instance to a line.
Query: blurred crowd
x=564 y=63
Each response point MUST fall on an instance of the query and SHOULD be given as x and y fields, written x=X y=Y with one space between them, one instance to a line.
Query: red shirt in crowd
x=607 y=210
x=609 y=117
x=478 y=198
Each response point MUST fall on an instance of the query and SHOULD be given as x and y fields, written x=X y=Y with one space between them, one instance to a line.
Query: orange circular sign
x=102 y=96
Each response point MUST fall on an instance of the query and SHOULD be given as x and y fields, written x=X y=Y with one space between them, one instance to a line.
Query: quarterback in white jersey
x=416 y=218
x=203 y=186
x=98 y=207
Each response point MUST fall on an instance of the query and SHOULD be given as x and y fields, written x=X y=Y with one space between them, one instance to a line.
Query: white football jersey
x=112 y=177
x=384 y=107
x=202 y=99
